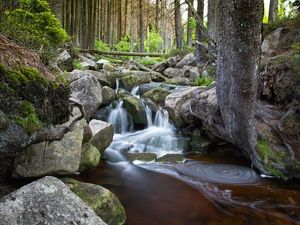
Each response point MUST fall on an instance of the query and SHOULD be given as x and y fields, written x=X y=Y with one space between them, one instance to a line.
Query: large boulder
x=188 y=60
x=56 y=157
x=87 y=90
x=108 y=95
x=102 y=134
x=64 y=61
x=172 y=62
x=174 y=72
x=271 y=42
x=90 y=157
x=191 y=72
x=175 y=101
x=128 y=82
x=158 y=95
x=46 y=201
x=136 y=109
x=104 y=203
x=86 y=63
x=105 y=78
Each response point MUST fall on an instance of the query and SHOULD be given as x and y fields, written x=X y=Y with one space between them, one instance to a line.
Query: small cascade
x=135 y=91
x=117 y=85
x=120 y=119
x=149 y=116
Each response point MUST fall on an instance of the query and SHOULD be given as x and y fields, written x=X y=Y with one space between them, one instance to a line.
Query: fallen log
x=139 y=54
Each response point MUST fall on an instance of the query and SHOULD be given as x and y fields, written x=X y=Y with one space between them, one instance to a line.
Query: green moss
x=158 y=95
x=204 y=81
x=77 y=65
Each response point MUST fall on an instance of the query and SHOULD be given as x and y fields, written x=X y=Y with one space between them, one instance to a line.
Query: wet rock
x=90 y=157
x=173 y=72
x=271 y=42
x=136 y=109
x=171 y=158
x=101 y=114
x=46 y=201
x=199 y=143
x=102 y=134
x=144 y=156
x=104 y=203
x=159 y=67
x=179 y=81
x=172 y=62
x=108 y=95
x=4 y=122
x=128 y=82
x=88 y=92
x=157 y=95
x=188 y=60
x=56 y=157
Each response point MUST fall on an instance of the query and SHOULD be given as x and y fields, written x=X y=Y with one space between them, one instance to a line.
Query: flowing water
x=217 y=188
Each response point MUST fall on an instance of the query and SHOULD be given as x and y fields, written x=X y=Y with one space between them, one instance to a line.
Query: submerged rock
x=105 y=204
x=56 y=157
x=90 y=157
x=144 y=156
x=171 y=158
x=102 y=134
x=136 y=109
x=46 y=201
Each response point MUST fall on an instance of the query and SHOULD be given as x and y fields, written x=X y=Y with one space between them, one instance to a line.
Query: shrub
x=154 y=43
x=204 y=81
x=123 y=45
x=101 y=46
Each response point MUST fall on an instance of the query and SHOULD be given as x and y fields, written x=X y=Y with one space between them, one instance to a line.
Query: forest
x=153 y=112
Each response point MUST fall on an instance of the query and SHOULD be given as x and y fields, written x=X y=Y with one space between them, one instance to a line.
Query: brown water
x=165 y=195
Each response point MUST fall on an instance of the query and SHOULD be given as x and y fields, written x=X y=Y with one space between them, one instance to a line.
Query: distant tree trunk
x=199 y=34
x=156 y=14
x=126 y=18
x=84 y=24
x=142 y=47
x=189 y=28
x=131 y=24
x=238 y=58
x=119 y=7
x=57 y=7
x=178 y=25
x=273 y=10
x=163 y=25
x=212 y=19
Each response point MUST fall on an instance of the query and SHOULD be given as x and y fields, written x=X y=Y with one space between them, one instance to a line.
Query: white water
x=158 y=137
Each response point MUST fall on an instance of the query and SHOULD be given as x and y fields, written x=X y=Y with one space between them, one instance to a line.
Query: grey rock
x=145 y=156
x=159 y=67
x=87 y=134
x=4 y=121
x=100 y=63
x=108 y=95
x=56 y=157
x=90 y=157
x=136 y=78
x=172 y=62
x=136 y=109
x=171 y=158
x=174 y=72
x=47 y=201
x=65 y=61
x=102 y=134
x=88 y=92
x=101 y=114
x=270 y=43
x=188 y=60
x=86 y=63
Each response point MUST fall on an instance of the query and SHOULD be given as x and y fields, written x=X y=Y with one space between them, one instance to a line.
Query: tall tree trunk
x=178 y=25
x=142 y=47
x=163 y=24
x=84 y=24
x=131 y=24
x=200 y=12
x=156 y=14
x=126 y=18
x=119 y=11
x=273 y=10
x=238 y=58
x=212 y=19
x=189 y=27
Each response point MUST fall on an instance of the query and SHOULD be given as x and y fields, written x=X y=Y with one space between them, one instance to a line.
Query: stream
x=219 y=187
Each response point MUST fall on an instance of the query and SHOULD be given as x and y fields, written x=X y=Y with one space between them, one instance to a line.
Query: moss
x=158 y=95
x=204 y=81
x=77 y=65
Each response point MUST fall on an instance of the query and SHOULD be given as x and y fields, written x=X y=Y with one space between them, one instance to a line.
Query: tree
x=178 y=25
x=238 y=57
x=273 y=10
x=212 y=19
x=189 y=26
x=142 y=48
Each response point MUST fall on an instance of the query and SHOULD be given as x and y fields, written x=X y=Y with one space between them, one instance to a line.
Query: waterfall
x=135 y=91
x=117 y=85
x=149 y=116
x=120 y=119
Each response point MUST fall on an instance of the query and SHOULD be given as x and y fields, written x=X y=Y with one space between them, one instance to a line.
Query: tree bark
x=273 y=10
x=212 y=19
x=142 y=47
x=84 y=24
x=178 y=25
x=189 y=28
x=238 y=58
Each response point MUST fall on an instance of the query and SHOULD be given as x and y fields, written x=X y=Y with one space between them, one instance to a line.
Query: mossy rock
x=171 y=158
x=4 y=122
x=90 y=157
x=105 y=204
x=144 y=156
x=128 y=82
x=136 y=109
x=158 y=95
x=179 y=81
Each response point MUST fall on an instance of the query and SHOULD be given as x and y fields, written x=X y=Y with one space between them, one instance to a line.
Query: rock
x=198 y=143
x=46 y=201
x=101 y=114
x=136 y=109
x=175 y=101
x=65 y=61
x=159 y=67
x=91 y=57
x=90 y=157
x=105 y=78
x=100 y=63
x=188 y=60
x=157 y=77
x=88 y=92
x=87 y=134
x=158 y=95
x=172 y=62
x=105 y=204
x=171 y=158
x=179 y=81
x=11 y=138
x=108 y=95
x=191 y=72
x=135 y=79
x=173 y=72
x=145 y=156
x=75 y=75
x=109 y=67
x=56 y=157
x=86 y=63
x=102 y=134
x=4 y=122
x=270 y=43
